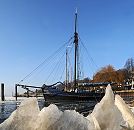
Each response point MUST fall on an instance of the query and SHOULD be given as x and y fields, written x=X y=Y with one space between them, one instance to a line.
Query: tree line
x=110 y=74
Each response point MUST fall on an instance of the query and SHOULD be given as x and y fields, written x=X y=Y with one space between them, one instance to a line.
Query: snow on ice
x=111 y=113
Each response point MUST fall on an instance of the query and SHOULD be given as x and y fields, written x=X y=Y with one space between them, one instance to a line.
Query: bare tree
x=129 y=65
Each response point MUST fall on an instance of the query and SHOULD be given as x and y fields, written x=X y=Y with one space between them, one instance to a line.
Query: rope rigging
x=88 y=53
x=60 y=63
x=56 y=66
x=45 y=61
x=47 y=66
x=89 y=58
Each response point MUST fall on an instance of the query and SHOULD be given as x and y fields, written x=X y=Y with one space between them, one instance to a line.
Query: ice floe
x=23 y=117
x=111 y=113
x=126 y=112
x=106 y=113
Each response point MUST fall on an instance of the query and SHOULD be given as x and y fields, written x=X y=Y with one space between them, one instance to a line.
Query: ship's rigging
x=65 y=67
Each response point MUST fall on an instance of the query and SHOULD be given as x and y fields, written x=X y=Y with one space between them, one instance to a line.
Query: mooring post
x=36 y=93
x=2 y=92
x=16 y=92
x=28 y=93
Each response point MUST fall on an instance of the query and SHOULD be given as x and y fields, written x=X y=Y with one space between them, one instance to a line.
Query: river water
x=9 y=105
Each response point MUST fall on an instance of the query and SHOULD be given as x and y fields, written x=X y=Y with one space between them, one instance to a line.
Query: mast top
x=75 y=33
x=76 y=21
x=76 y=11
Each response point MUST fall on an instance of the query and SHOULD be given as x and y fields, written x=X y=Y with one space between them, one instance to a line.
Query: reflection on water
x=7 y=107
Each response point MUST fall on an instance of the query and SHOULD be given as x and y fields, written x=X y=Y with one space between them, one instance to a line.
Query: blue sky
x=31 y=30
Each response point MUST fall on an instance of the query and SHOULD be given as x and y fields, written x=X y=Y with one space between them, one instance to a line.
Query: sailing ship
x=80 y=91
x=52 y=92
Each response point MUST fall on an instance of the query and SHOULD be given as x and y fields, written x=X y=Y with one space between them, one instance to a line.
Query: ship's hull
x=73 y=96
x=83 y=97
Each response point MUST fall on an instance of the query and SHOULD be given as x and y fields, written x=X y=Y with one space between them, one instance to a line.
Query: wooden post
x=16 y=92
x=27 y=93
x=36 y=93
x=2 y=92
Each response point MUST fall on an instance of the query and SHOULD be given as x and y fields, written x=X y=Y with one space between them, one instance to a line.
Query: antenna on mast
x=76 y=11
x=76 y=20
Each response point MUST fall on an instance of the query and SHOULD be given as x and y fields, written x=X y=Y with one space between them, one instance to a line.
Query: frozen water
x=126 y=112
x=51 y=118
x=106 y=113
x=111 y=113
x=47 y=118
x=23 y=117
x=72 y=120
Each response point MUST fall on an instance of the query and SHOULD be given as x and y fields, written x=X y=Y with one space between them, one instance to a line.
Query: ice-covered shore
x=111 y=113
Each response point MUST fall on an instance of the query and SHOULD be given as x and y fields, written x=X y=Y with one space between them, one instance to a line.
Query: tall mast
x=76 y=52
x=66 y=69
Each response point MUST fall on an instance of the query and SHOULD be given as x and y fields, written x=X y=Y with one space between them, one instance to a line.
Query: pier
x=26 y=87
